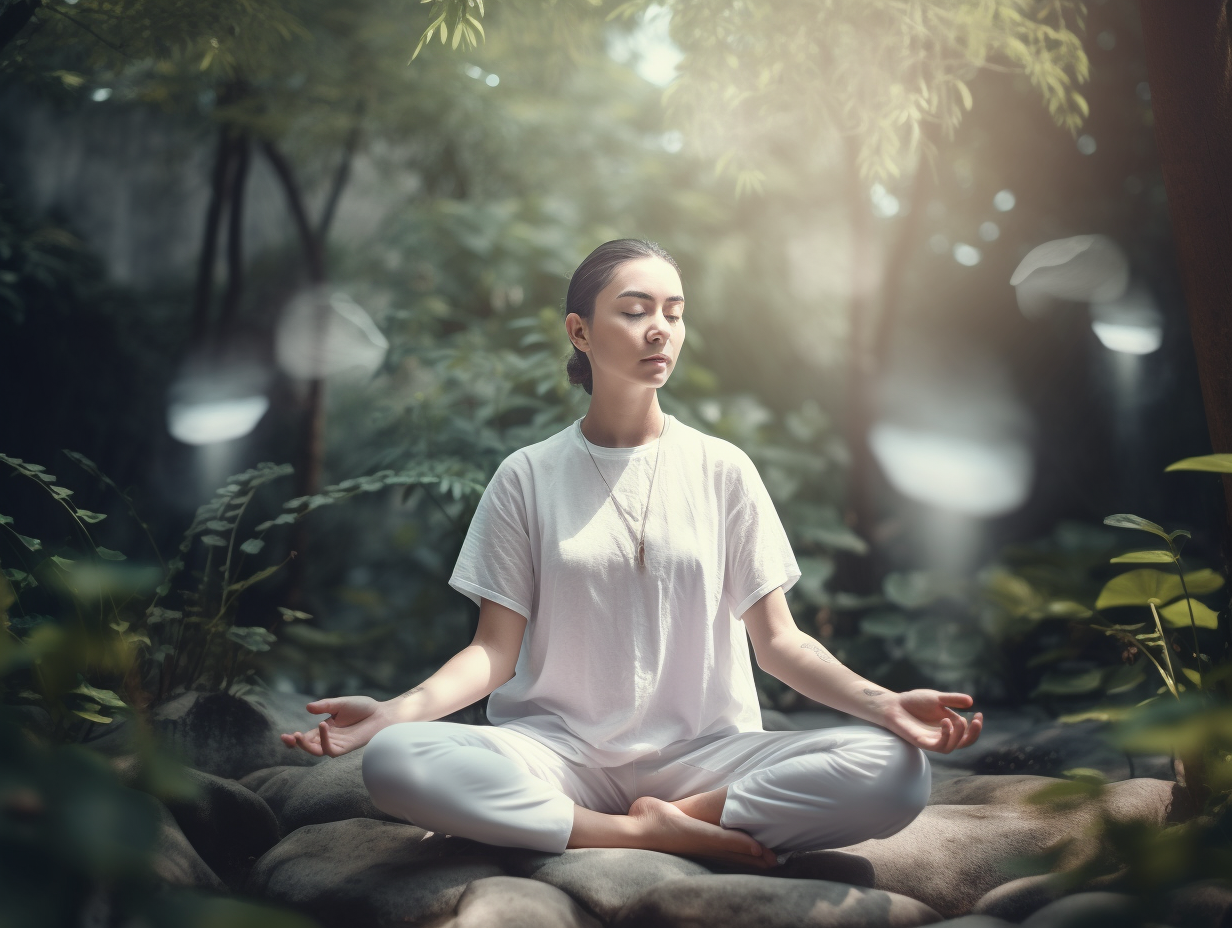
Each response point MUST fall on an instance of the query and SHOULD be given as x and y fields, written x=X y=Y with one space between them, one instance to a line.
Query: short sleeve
x=759 y=556
x=495 y=561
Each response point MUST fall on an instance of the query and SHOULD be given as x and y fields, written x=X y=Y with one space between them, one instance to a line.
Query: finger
x=326 y=748
x=960 y=731
x=973 y=731
x=957 y=700
x=288 y=740
x=943 y=737
x=320 y=706
x=309 y=746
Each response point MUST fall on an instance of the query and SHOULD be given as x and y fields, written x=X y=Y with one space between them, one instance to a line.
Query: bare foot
x=667 y=828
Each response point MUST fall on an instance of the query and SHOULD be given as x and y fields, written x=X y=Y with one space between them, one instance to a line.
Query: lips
x=657 y=357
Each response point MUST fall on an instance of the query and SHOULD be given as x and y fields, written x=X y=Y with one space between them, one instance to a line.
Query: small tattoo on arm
x=819 y=651
x=868 y=692
x=418 y=689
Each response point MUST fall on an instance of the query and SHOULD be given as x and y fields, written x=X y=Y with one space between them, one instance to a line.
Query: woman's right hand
x=352 y=722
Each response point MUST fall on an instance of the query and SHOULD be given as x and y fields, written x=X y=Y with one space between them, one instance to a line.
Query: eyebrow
x=646 y=296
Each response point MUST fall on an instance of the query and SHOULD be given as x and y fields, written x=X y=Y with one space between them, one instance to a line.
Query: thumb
x=322 y=705
x=961 y=700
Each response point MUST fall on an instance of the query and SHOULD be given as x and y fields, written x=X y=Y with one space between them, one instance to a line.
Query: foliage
x=76 y=846
x=758 y=71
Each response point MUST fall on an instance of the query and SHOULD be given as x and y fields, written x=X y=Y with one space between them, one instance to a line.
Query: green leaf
x=1059 y=683
x=1127 y=520
x=5 y=520
x=218 y=525
x=252 y=546
x=290 y=614
x=1177 y=615
x=106 y=697
x=32 y=543
x=1211 y=463
x=252 y=637
x=86 y=516
x=61 y=492
x=1192 y=674
x=62 y=562
x=92 y=716
x=1104 y=714
x=214 y=541
x=1154 y=556
x=285 y=519
x=1140 y=587
x=108 y=555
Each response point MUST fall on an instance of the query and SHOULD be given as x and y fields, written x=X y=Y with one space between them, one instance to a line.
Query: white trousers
x=790 y=790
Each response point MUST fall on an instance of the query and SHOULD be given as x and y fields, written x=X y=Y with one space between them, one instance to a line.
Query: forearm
x=807 y=667
x=465 y=678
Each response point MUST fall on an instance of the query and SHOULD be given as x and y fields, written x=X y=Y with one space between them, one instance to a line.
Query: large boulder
x=332 y=791
x=511 y=902
x=177 y=862
x=604 y=880
x=362 y=873
x=1088 y=910
x=228 y=826
x=981 y=840
x=719 y=901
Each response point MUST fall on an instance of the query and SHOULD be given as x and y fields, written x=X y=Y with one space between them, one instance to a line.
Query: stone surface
x=332 y=791
x=177 y=862
x=979 y=841
x=603 y=880
x=1017 y=899
x=769 y=902
x=368 y=874
x=836 y=866
x=1088 y=910
x=975 y=921
x=1206 y=904
x=228 y=826
x=512 y=902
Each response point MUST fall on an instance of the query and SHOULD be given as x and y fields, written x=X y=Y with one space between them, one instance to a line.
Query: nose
x=657 y=331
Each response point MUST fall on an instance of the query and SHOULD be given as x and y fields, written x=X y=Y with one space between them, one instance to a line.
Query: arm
x=474 y=672
x=471 y=674
x=921 y=717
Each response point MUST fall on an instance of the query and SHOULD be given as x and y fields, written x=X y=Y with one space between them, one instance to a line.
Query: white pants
x=790 y=790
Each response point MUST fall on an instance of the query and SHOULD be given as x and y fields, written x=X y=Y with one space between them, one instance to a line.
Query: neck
x=623 y=421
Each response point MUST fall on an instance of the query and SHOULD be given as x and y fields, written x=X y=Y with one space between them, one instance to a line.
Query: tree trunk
x=1189 y=64
x=14 y=18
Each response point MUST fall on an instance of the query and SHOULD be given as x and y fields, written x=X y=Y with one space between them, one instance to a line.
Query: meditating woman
x=617 y=566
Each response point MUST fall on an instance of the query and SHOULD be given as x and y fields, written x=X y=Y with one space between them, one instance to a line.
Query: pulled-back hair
x=591 y=276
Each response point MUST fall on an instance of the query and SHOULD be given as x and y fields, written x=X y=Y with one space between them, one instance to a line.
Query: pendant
x=641 y=554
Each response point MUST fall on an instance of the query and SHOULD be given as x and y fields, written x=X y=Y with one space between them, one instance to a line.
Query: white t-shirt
x=618 y=661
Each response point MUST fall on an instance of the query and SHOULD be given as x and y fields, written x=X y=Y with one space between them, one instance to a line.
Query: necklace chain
x=641 y=540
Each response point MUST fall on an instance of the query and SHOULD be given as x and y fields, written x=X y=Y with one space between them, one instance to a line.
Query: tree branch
x=235 y=246
x=340 y=178
x=313 y=252
x=14 y=18
x=204 y=289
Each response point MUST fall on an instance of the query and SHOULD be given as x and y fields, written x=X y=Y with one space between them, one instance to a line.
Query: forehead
x=650 y=275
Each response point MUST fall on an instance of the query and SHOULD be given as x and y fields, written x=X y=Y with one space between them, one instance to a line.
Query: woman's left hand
x=924 y=718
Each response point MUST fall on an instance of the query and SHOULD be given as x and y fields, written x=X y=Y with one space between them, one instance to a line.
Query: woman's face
x=637 y=330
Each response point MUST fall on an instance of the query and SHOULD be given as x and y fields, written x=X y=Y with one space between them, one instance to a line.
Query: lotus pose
x=618 y=566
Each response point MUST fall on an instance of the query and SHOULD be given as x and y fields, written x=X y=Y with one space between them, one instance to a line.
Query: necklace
x=641 y=540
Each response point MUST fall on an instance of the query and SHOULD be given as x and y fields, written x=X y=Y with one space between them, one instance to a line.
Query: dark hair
x=591 y=276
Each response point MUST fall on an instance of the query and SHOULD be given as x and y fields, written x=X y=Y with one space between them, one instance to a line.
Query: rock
x=1015 y=900
x=368 y=874
x=1206 y=904
x=1088 y=910
x=769 y=902
x=228 y=736
x=258 y=778
x=332 y=791
x=980 y=840
x=604 y=880
x=177 y=862
x=835 y=866
x=978 y=790
x=511 y=902
x=1051 y=747
x=228 y=826
x=974 y=921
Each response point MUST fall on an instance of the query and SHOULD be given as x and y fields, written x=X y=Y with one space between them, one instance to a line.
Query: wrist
x=405 y=708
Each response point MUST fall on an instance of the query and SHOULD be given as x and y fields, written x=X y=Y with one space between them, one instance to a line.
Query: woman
x=618 y=566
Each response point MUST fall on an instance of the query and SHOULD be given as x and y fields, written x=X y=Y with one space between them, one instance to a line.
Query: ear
x=578 y=331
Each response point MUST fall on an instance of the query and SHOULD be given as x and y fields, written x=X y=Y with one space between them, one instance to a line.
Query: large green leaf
x=1140 y=587
x=1211 y=463
x=1155 y=556
x=1128 y=520
x=1177 y=614
x=109 y=555
x=1061 y=683
x=106 y=697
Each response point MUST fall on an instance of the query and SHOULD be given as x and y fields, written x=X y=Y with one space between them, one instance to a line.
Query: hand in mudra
x=924 y=718
x=352 y=722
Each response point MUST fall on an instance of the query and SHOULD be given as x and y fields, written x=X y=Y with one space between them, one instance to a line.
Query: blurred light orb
x=1143 y=90
x=322 y=333
x=492 y=80
x=1003 y=201
x=649 y=47
x=1106 y=40
x=1086 y=144
x=207 y=421
x=101 y=95
x=885 y=204
x=965 y=475
x=938 y=243
x=474 y=71
x=1131 y=325
x=990 y=231
x=1084 y=268
x=672 y=141
x=966 y=255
